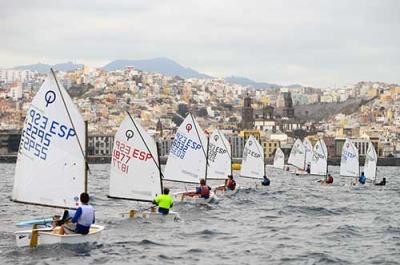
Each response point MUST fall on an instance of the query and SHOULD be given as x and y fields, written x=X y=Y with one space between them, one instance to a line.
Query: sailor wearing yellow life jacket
x=164 y=202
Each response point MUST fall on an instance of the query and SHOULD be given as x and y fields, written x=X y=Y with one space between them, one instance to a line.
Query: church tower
x=247 y=114
x=288 y=110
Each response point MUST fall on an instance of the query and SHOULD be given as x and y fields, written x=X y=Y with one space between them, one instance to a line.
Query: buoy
x=236 y=166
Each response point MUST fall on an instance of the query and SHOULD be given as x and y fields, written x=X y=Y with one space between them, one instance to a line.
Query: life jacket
x=362 y=179
x=266 y=182
x=164 y=201
x=231 y=184
x=204 y=191
x=87 y=216
x=329 y=180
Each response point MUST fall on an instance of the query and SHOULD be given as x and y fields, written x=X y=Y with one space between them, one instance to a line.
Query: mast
x=86 y=156
x=69 y=116
x=230 y=145
x=145 y=144
x=265 y=171
x=208 y=140
x=305 y=155
x=159 y=168
x=326 y=156
x=198 y=136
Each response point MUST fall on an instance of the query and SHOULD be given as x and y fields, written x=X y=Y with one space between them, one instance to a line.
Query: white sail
x=319 y=161
x=308 y=152
x=134 y=165
x=219 y=157
x=297 y=155
x=279 y=159
x=349 y=165
x=253 y=159
x=371 y=160
x=187 y=158
x=50 y=168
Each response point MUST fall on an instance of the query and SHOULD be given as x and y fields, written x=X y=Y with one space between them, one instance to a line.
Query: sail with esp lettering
x=253 y=159
x=187 y=157
x=135 y=171
x=319 y=161
x=297 y=155
x=219 y=156
x=349 y=163
x=50 y=168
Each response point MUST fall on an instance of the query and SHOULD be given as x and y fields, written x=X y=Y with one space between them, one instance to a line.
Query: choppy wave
x=294 y=221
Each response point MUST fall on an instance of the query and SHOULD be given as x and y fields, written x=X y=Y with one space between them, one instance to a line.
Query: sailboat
x=297 y=157
x=219 y=160
x=51 y=167
x=279 y=159
x=349 y=165
x=187 y=160
x=253 y=160
x=308 y=152
x=319 y=161
x=371 y=160
x=135 y=168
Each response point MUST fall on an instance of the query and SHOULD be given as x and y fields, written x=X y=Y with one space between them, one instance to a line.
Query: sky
x=320 y=43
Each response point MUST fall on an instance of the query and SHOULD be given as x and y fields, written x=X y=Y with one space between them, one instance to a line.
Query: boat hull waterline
x=46 y=236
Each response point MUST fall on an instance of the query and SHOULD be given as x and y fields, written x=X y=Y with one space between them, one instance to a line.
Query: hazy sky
x=319 y=43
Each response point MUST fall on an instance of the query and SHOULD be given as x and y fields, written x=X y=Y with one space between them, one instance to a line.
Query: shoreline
x=382 y=162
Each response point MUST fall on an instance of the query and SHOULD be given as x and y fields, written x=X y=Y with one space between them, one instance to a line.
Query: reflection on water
x=295 y=221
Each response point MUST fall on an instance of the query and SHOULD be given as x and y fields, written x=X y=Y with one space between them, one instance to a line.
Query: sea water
x=294 y=221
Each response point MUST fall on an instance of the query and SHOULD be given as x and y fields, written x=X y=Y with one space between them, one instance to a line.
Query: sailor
x=164 y=202
x=308 y=170
x=203 y=190
x=82 y=220
x=328 y=180
x=382 y=183
x=266 y=181
x=362 y=178
x=231 y=183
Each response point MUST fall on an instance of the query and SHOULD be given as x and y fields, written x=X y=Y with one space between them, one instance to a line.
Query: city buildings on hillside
x=161 y=102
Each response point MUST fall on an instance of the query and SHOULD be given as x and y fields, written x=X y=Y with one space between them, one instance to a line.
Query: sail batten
x=349 y=164
x=135 y=172
x=253 y=159
x=187 y=158
x=50 y=168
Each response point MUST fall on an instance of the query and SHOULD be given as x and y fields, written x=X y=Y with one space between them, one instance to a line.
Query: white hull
x=220 y=192
x=180 y=197
x=260 y=186
x=47 y=237
x=300 y=172
x=153 y=215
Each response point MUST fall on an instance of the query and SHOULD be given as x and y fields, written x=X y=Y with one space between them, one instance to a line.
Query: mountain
x=44 y=68
x=248 y=82
x=260 y=85
x=158 y=65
